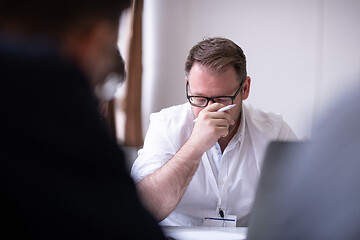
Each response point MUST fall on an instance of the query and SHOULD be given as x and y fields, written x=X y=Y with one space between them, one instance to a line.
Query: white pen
x=223 y=109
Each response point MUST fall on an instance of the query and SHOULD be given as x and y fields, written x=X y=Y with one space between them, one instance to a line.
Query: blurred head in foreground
x=85 y=32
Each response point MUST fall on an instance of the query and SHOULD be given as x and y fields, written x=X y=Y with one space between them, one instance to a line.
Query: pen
x=228 y=107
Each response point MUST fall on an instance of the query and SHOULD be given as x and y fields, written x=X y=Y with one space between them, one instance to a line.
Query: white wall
x=301 y=54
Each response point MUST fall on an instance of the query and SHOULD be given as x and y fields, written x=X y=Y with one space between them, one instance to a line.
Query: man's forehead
x=210 y=69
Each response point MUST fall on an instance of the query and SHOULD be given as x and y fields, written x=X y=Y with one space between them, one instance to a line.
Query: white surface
x=208 y=233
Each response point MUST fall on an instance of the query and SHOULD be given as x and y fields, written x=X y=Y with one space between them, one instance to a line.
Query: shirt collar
x=240 y=133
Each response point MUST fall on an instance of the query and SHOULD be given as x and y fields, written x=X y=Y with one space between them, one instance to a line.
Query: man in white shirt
x=192 y=172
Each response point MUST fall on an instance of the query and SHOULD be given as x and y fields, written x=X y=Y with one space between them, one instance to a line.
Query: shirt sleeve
x=157 y=149
x=286 y=133
x=169 y=129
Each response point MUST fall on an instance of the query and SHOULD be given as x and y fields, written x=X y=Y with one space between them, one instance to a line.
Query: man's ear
x=246 y=88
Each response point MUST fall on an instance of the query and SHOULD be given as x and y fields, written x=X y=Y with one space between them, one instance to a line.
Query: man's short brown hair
x=218 y=54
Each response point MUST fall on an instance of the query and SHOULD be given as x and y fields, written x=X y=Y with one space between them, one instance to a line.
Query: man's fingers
x=214 y=107
x=222 y=116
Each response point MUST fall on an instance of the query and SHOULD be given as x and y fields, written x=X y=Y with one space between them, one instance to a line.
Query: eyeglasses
x=200 y=101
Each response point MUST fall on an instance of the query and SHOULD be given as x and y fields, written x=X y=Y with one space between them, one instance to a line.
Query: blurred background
x=302 y=55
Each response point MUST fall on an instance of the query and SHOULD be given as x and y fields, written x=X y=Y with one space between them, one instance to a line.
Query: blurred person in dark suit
x=62 y=175
x=318 y=194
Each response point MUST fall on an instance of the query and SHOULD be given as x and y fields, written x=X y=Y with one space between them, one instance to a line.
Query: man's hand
x=209 y=127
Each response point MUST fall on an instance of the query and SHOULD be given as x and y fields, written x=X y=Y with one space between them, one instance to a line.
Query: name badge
x=216 y=221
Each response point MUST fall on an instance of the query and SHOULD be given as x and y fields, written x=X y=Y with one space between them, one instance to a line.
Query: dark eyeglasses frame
x=212 y=98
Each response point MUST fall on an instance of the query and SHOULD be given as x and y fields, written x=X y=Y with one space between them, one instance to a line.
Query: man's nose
x=212 y=101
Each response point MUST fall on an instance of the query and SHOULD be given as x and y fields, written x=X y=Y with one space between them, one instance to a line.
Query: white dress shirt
x=225 y=180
